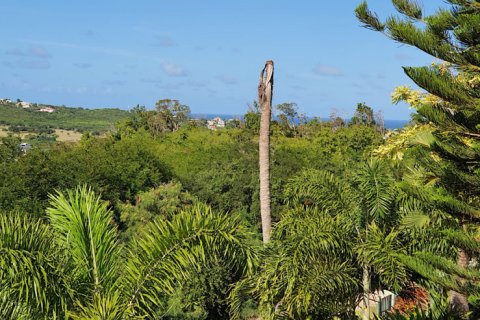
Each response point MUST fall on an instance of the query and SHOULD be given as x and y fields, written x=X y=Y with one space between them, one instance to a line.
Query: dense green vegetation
x=159 y=219
x=209 y=170
x=78 y=119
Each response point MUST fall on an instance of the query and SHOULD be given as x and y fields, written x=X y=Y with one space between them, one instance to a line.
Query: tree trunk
x=366 y=293
x=459 y=301
x=265 y=88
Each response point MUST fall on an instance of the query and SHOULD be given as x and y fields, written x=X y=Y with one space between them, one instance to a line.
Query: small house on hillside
x=24 y=104
x=215 y=123
x=47 y=109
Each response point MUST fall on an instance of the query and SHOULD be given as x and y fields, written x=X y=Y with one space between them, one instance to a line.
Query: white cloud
x=323 y=70
x=174 y=70
x=165 y=41
x=33 y=51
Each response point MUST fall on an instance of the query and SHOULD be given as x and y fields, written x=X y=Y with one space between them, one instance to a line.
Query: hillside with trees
x=19 y=118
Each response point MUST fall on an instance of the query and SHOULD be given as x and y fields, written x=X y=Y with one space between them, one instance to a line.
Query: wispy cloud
x=196 y=84
x=97 y=49
x=33 y=51
x=165 y=41
x=227 y=79
x=329 y=71
x=357 y=85
x=381 y=76
x=77 y=90
x=298 y=87
x=82 y=65
x=28 y=64
x=173 y=70
x=34 y=57
x=172 y=86
x=114 y=82
x=152 y=81
x=365 y=76
x=20 y=83
x=169 y=86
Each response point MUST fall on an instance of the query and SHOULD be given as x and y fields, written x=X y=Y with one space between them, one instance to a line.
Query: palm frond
x=84 y=227
x=168 y=251
x=381 y=251
x=102 y=307
x=415 y=220
x=318 y=188
x=31 y=271
x=306 y=268
x=16 y=310
x=375 y=190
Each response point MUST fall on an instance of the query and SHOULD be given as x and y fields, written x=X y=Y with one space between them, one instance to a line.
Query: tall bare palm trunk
x=265 y=89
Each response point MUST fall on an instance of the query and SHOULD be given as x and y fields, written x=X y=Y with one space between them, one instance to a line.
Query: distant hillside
x=78 y=119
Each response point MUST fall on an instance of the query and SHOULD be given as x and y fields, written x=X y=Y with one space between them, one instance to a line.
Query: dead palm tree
x=265 y=88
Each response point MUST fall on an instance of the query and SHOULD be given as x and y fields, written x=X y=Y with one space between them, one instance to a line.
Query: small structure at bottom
x=24 y=147
x=380 y=302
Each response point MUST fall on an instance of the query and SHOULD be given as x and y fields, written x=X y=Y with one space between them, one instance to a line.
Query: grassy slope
x=78 y=119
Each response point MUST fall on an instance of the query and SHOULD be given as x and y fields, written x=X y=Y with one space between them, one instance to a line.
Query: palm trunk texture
x=265 y=89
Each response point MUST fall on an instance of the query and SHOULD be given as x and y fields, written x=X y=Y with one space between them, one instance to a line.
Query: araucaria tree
x=448 y=144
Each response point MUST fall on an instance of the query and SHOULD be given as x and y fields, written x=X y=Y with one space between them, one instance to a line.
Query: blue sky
x=207 y=54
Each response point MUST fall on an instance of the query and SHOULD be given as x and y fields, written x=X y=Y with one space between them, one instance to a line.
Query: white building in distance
x=47 y=109
x=215 y=123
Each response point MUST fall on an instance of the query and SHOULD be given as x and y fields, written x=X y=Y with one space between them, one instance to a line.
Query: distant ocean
x=395 y=124
x=389 y=124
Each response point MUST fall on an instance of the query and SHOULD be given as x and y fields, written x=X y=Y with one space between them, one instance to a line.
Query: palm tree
x=305 y=272
x=265 y=88
x=73 y=266
x=323 y=244
x=368 y=203
x=376 y=197
x=366 y=229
